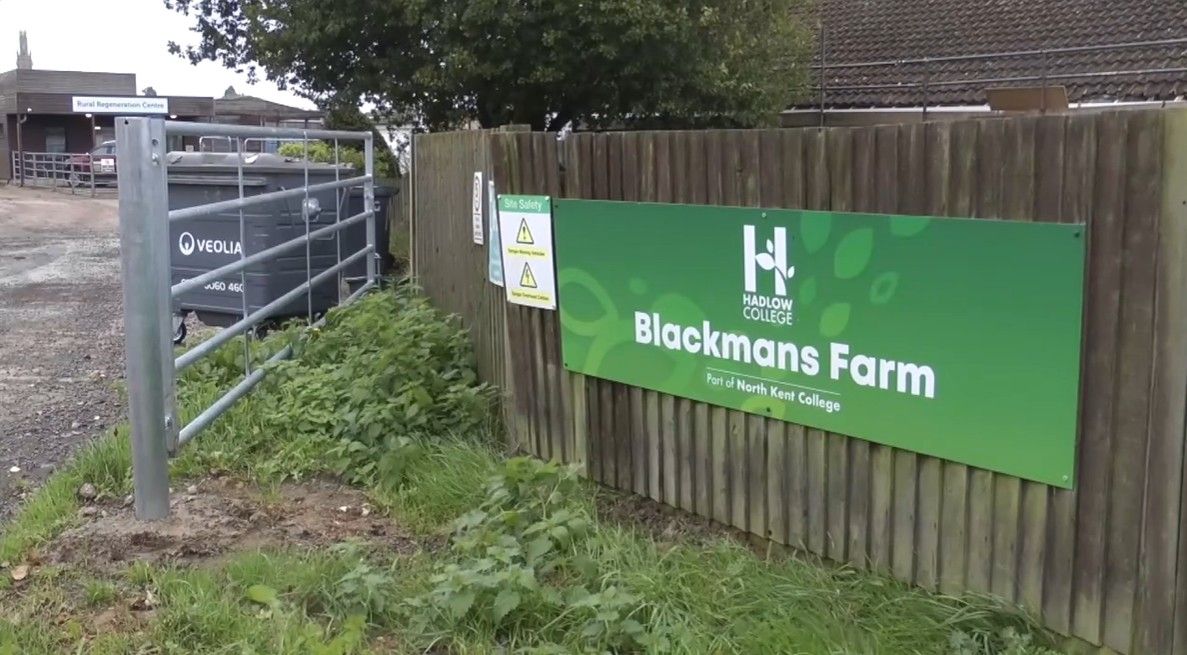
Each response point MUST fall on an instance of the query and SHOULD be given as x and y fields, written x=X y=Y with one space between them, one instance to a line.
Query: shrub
x=377 y=378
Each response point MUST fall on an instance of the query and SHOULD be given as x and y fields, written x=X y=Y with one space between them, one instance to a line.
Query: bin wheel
x=179 y=334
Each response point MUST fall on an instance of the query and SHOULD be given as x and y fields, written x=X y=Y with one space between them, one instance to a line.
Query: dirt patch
x=61 y=354
x=662 y=523
x=218 y=516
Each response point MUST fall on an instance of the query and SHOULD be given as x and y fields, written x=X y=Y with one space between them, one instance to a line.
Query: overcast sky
x=120 y=36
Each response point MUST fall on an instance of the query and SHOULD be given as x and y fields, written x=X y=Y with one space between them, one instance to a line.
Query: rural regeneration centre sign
x=118 y=105
x=950 y=337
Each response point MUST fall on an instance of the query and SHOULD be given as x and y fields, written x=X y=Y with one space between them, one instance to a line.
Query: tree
x=444 y=63
x=149 y=91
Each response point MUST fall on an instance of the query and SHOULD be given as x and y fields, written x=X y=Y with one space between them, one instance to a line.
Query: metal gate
x=150 y=297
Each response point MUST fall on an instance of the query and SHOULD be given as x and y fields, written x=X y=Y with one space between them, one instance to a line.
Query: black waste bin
x=207 y=242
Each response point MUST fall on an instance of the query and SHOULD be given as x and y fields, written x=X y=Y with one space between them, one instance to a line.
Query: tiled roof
x=858 y=31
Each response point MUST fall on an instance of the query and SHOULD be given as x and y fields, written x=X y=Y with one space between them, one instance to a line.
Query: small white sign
x=117 y=105
x=494 y=245
x=476 y=212
x=525 y=227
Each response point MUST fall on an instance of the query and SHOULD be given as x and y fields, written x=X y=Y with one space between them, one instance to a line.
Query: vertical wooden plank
x=579 y=394
x=1050 y=134
x=978 y=571
x=756 y=475
x=638 y=442
x=817 y=492
x=817 y=196
x=663 y=167
x=668 y=456
x=701 y=452
x=623 y=434
x=954 y=541
x=681 y=190
x=886 y=165
x=902 y=562
x=987 y=204
x=685 y=433
x=937 y=168
x=714 y=168
x=643 y=146
x=797 y=486
x=551 y=374
x=702 y=460
x=607 y=439
x=927 y=522
x=1097 y=409
x=593 y=411
x=750 y=187
x=719 y=430
x=736 y=469
x=955 y=502
x=1017 y=198
x=654 y=445
x=795 y=512
x=631 y=162
x=1163 y=512
x=791 y=151
x=912 y=183
x=840 y=173
x=863 y=198
x=547 y=148
x=777 y=477
x=1075 y=207
x=696 y=189
x=1142 y=206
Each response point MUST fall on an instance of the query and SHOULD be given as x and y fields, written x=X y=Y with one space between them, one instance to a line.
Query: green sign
x=950 y=337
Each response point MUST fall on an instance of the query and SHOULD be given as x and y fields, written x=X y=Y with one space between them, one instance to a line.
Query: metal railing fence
x=150 y=297
x=62 y=170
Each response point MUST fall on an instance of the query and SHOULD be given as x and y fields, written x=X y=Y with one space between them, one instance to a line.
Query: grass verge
x=379 y=399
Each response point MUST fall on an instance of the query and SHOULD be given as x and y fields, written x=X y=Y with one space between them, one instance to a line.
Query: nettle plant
x=389 y=371
x=515 y=569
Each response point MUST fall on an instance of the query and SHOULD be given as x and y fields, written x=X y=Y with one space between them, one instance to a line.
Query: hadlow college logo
x=758 y=305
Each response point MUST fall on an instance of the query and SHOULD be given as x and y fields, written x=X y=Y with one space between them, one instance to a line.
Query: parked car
x=102 y=157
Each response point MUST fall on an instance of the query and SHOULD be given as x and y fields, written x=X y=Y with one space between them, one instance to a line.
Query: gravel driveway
x=61 y=332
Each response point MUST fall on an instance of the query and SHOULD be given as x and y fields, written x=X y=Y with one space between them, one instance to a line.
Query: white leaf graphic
x=765 y=260
x=770 y=246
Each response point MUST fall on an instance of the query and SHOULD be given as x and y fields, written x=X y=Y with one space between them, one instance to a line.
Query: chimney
x=24 y=60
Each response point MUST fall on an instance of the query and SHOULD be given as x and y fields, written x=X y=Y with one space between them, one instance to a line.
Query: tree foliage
x=444 y=63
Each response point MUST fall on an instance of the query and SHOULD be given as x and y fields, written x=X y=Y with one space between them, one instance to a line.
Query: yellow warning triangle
x=525 y=235
x=526 y=279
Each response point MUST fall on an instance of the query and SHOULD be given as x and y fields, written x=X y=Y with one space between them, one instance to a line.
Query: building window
x=55 y=139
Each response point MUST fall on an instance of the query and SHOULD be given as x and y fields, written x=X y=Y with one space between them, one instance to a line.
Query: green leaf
x=460 y=603
x=883 y=288
x=908 y=226
x=505 y=602
x=263 y=595
x=814 y=231
x=808 y=290
x=853 y=253
x=538 y=547
x=834 y=319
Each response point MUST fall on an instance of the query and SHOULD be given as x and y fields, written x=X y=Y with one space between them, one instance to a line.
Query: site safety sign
x=525 y=226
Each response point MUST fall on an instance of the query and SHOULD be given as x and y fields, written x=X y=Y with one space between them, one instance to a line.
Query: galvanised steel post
x=369 y=205
x=144 y=259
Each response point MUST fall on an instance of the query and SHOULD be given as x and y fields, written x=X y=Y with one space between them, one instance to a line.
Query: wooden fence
x=1106 y=563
